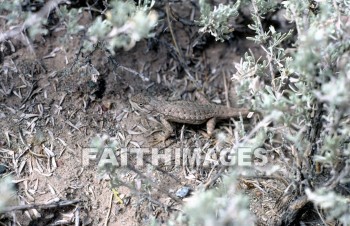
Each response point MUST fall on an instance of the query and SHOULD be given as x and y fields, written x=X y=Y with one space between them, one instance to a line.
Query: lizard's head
x=141 y=102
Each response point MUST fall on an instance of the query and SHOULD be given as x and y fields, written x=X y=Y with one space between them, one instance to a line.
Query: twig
x=141 y=75
x=163 y=171
x=167 y=8
x=109 y=210
x=226 y=89
x=178 y=50
x=214 y=179
x=77 y=217
x=40 y=206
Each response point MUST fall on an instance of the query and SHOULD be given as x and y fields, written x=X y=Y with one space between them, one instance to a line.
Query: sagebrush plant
x=126 y=23
x=70 y=18
x=222 y=206
x=306 y=95
x=106 y=145
x=12 y=11
x=219 y=21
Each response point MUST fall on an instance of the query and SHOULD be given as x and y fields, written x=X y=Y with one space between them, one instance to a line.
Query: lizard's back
x=196 y=113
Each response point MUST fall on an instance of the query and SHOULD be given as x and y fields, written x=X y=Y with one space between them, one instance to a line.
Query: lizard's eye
x=140 y=104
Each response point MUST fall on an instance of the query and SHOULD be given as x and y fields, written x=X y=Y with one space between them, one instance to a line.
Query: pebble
x=183 y=192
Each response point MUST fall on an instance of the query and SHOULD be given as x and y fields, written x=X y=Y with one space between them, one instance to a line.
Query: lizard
x=186 y=112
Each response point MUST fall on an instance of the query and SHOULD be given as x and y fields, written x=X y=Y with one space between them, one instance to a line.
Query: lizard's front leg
x=211 y=126
x=168 y=130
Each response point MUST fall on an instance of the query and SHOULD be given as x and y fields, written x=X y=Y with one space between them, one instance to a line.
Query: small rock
x=183 y=192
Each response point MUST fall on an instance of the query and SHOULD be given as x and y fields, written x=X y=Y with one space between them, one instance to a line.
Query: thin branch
x=40 y=206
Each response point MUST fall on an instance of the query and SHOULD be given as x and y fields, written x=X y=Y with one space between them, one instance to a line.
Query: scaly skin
x=187 y=112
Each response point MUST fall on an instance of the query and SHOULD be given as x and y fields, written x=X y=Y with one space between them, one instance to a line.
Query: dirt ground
x=55 y=100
